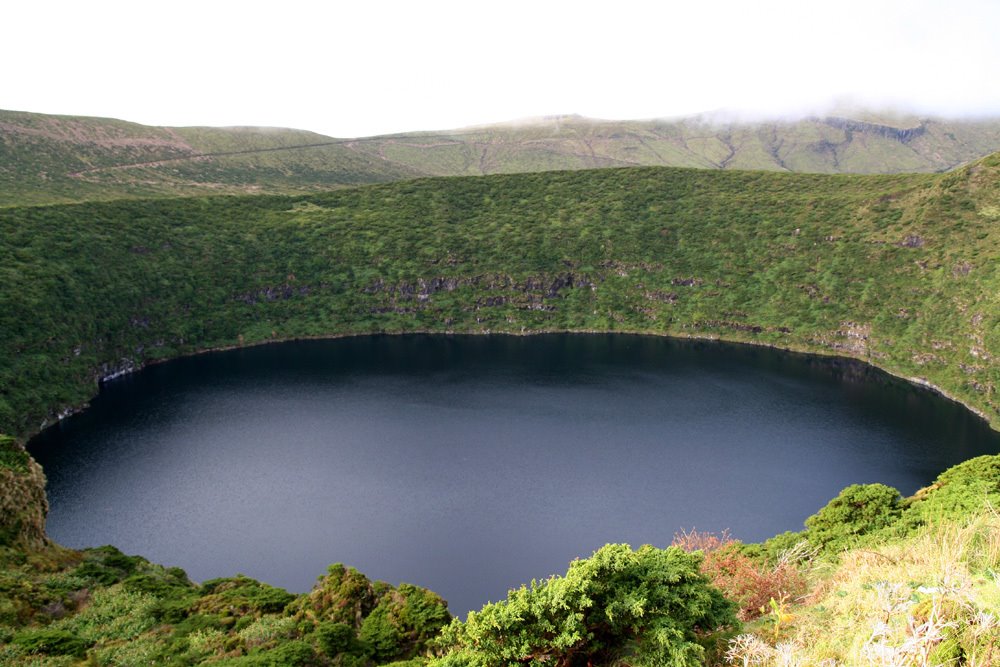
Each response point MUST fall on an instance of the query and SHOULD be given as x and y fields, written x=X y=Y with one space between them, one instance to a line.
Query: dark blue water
x=473 y=464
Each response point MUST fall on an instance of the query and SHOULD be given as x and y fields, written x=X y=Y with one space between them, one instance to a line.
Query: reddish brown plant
x=748 y=582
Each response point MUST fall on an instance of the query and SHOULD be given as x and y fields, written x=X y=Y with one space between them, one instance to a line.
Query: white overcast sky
x=353 y=68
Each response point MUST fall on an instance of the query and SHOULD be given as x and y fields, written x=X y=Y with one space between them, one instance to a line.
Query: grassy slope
x=812 y=145
x=46 y=159
x=50 y=159
x=898 y=270
x=932 y=598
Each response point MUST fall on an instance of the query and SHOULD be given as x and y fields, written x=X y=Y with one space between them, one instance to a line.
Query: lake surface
x=470 y=465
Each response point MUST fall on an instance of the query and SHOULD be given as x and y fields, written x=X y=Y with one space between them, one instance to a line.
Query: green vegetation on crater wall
x=897 y=270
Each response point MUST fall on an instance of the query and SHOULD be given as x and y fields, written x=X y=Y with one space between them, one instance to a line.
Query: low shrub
x=107 y=565
x=403 y=622
x=858 y=510
x=958 y=492
x=241 y=595
x=338 y=638
x=51 y=642
x=295 y=653
x=650 y=605
x=12 y=455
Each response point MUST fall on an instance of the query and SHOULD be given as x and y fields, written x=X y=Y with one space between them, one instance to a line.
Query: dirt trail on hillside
x=203 y=156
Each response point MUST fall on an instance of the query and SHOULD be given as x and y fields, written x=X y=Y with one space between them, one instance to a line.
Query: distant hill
x=861 y=143
x=45 y=159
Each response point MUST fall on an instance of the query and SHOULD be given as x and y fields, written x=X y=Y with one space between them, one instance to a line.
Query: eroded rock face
x=23 y=506
x=854 y=338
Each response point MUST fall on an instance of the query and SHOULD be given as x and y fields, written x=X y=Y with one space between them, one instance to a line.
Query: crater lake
x=473 y=464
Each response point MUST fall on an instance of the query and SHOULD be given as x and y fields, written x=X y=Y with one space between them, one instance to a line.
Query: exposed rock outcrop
x=273 y=293
x=529 y=293
x=902 y=135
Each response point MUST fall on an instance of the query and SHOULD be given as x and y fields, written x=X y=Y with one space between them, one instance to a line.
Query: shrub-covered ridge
x=59 y=607
x=900 y=271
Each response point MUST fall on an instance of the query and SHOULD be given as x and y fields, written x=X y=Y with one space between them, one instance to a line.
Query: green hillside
x=47 y=159
x=857 y=143
x=62 y=159
x=898 y=270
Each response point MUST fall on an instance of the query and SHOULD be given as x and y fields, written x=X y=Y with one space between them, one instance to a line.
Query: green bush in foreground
x=648 y=604
x=403 y=622
x=858 y=510
x=958 y=491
